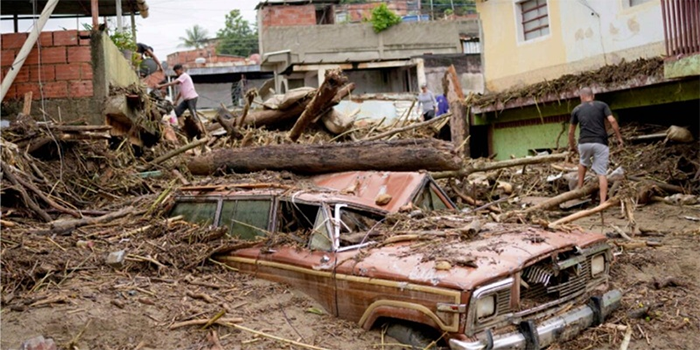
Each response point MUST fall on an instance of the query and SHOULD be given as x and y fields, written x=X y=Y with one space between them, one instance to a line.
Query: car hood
x=494 y=255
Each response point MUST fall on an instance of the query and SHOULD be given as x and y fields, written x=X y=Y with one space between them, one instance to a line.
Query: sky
x=166 y=22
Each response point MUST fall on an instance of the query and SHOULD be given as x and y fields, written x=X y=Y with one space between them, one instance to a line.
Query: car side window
x=354 y=227
x=201 y=213
x=305 y=223
x=429 y=199
x=246 y=218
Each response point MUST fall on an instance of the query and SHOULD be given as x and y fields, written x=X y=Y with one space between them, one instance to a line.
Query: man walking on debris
x=188 y=94
x=427 y=101
x=593 y=138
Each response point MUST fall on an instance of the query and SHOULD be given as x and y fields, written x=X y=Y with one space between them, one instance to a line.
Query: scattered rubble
x=83 y=215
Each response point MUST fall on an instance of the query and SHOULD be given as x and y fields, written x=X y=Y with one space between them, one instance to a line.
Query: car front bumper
x=555 y=329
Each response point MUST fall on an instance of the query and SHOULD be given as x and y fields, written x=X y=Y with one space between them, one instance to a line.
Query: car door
x=305 y=260
x=247 y=218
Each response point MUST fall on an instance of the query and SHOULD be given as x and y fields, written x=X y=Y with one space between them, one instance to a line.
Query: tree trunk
x=271 y=117
x=459 y=124
x=334 y=80
x=398 y=155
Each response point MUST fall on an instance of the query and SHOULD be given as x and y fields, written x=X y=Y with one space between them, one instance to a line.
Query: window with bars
x=534 y=18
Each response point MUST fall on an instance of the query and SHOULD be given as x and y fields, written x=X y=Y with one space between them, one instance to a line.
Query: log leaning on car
x=396 y=155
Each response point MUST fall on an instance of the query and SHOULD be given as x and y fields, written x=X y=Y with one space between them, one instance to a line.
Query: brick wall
x=357 y=12
x=65 y=70
x=288 y=15
x=187 y=58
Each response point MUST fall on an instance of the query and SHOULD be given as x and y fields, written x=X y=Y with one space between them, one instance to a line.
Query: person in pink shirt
x=188 y=94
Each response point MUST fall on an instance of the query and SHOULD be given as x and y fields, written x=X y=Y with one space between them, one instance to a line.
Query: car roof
x=358 y=188
x=366 y=186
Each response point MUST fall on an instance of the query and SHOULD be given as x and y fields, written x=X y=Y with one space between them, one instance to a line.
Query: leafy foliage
x=237 y=37
x=383 y=18
x=124 y=40
x=195 y=38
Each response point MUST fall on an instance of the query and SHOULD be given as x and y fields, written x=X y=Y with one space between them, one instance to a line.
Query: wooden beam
x=459 y=125
x=95 y=11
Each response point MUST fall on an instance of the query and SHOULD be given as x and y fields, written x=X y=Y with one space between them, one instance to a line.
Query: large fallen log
x=334 y=80
x=484 y=166
x=292 y=111
x=271 y=117
x=397 y=155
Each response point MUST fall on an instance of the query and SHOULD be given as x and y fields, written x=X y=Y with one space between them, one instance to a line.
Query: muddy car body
x=522 y=288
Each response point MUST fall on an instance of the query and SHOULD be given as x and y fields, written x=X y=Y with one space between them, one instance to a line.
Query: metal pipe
x=133 y=26
x=684 y=27
x=26 y=48
x=95 y=11
x=118 y=4
x=15 y=22
x=674 y=28
x=665 y=24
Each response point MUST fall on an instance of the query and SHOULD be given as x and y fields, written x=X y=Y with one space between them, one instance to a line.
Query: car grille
x=546 y=285
x=503 y=302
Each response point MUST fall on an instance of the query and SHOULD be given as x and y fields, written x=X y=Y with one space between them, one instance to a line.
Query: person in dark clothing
x=442 y=104
x=593 y=148
x=147 y=51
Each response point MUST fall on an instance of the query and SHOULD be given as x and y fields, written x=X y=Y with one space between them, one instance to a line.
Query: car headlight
x=486 y=306
x=597 y=265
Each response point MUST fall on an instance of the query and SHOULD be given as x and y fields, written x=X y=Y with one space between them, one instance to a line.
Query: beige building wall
x=584 y=35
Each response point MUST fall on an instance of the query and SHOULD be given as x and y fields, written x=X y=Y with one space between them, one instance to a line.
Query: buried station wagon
x=527 y=288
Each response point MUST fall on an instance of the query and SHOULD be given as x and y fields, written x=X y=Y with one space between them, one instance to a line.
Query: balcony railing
x=681 y=27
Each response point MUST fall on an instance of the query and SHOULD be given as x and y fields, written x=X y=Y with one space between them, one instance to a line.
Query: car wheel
x=416 y=335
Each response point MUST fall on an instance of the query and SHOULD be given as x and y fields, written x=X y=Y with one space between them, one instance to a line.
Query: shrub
x=383 y=18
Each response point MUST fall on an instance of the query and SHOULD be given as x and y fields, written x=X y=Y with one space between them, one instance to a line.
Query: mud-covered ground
x=97 y=310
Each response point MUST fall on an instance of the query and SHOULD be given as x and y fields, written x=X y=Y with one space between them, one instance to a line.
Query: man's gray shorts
x=600 y=154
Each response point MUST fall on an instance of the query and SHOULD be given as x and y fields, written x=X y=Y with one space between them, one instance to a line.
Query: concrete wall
x=468 y=68
x=583 y=35
x=357 y=42
x=57 y=70
x=119 y=71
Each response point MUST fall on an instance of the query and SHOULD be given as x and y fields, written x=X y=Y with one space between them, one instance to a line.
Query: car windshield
x=246 y=218
x=200 y=212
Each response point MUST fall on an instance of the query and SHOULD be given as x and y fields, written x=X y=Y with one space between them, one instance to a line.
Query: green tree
x=238 y=37
x=195 y=38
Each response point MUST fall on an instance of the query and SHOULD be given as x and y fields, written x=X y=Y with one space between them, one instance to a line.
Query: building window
x=637 y=2
x=471 y=46
x=534 y=18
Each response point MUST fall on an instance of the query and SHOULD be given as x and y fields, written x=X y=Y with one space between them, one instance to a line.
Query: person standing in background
x=427 y=102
